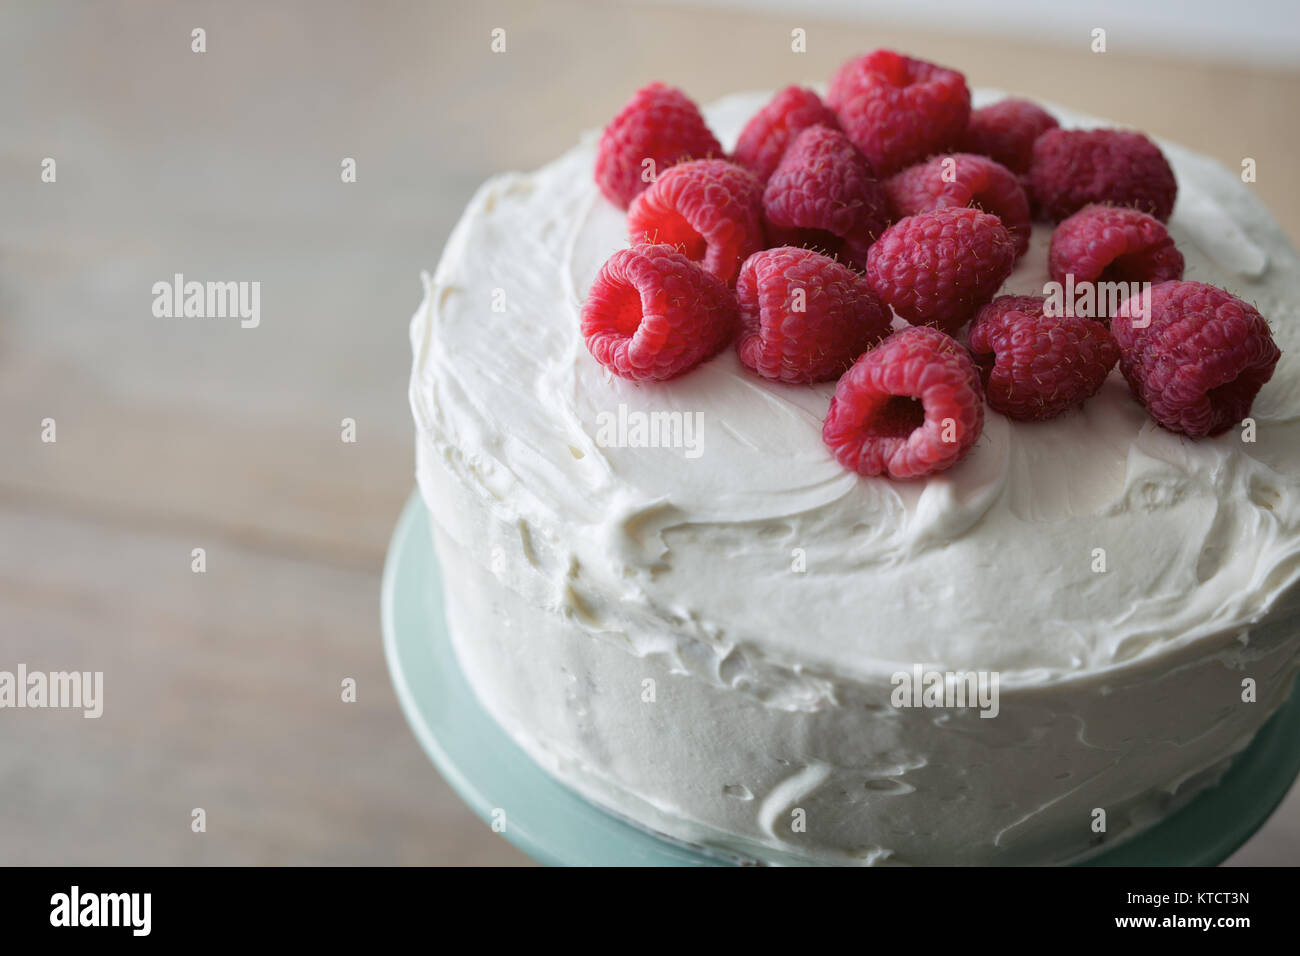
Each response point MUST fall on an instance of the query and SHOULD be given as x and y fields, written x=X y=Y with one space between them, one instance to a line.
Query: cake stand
x=557 y=827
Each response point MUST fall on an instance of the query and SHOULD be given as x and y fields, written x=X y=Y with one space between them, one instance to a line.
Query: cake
x=709 y=639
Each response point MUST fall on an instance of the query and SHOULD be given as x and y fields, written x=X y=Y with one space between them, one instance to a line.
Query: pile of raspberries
x=892 y=203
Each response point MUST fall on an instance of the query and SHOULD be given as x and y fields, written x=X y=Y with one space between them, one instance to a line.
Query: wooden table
x=223 y=688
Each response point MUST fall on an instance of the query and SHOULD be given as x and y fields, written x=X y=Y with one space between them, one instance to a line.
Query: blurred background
x=222 y=689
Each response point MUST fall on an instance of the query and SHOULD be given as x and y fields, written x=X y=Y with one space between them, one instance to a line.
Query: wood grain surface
x=222 y=688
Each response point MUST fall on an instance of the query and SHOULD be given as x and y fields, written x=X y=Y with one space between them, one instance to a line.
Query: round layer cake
x=709 y=636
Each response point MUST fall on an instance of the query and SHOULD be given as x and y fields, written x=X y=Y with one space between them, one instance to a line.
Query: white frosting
x=686 y=562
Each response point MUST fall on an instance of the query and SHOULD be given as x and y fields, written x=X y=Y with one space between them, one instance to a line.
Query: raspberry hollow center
x=894 y=70
x=896 y=417
x=674 y=230
x=1130 y=267
x=625 y=311
x=1231 y=401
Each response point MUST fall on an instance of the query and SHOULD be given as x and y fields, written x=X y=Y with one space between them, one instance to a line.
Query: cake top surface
x=1093 y=541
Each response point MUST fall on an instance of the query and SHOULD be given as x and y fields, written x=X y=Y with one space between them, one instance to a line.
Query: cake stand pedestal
x=557 y=827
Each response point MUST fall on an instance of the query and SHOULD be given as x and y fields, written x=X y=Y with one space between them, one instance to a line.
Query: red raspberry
x=898 y=110
x=804 y=317
x=1005 y=131
x=1034 y=366
x=659 y=125
x=652 y=314
x=963 y=179
x=824 y=195
x=764 y=139
x=909 y=407
x=1197 y=358
x=709 y=209
x=937 y=268
x=1113 y=244
x=1073 y=167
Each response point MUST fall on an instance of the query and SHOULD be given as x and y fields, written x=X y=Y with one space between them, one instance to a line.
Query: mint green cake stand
x=555 y=826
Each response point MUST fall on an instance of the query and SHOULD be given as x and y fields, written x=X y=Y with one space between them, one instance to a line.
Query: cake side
x=868 y=783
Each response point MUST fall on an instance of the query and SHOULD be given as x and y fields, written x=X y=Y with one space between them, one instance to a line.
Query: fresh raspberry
x=1073 y=167
x=764 y=139
x=824 y=195
x=1113 y=244
x=709 y=209
x=803 y=316
x=1035 y=366
x=652 y=314
x=658 y=128
x=1005 y=131
x=898 y=110
x=936 y=268
x=1196 y=358
x=963 y=179
x=909 y=407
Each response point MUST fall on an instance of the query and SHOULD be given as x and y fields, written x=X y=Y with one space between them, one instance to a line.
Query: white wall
x=1256 y=32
